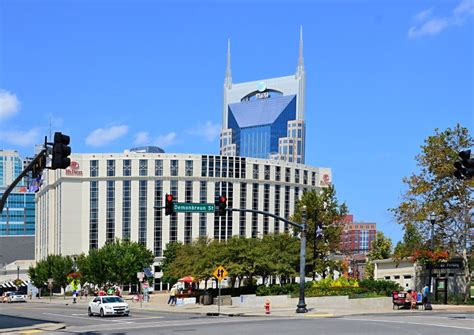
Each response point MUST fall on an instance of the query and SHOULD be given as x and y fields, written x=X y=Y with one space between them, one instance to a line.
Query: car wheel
x=126 y=314
x=89 y=312
x=102 y=313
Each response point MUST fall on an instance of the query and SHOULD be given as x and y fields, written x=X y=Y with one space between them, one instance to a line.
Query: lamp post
x=301 y=307
x=18 y=272
x=432 y=218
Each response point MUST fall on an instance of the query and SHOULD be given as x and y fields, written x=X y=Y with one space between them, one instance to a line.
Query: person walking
x=172 y=298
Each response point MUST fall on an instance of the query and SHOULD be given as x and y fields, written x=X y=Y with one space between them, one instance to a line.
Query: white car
x=108 y=305
x=10 y=297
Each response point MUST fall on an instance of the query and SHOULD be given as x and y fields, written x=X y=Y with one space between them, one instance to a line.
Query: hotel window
x=287 y=175
x=255 y=172
x=158 y=167
x=211 y=166
x=158 y=219
x=174 y=167
x=204 y=166
x=142 y=210
x=218 y=166
x=110 y=168
x=287 y=206
x=127 y=168
x=313 y=178
x=224 y=167
x=94 y=172
x=243 y=198
x=93 y=215
x=297 y=176
x=266 y=172
x=254 y=206
x=143 y=167
x=305 y=177
x=266 y=207
x=243 y=167
x=277 y=173
x=230 y=203
x=126 y=209
x=110 y=212
x=231 y=167
x=277 y=208
x=189 y=168
x=237 y=167
x=203 y=216
x=174 y=217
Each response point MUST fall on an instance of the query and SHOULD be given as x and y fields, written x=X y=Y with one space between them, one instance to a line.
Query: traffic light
x=465 y=166
x=319 y=231
x=61 y=151
x=222 y=206
x=169 y=209
x=38 y=167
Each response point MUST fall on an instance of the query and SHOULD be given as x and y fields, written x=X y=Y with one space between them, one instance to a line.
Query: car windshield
x=17 y=293
x=108 y=300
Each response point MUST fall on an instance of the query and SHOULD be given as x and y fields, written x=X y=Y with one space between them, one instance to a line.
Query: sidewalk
x=158 y=303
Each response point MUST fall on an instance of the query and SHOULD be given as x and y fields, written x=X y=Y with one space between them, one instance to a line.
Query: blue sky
x=381 y=76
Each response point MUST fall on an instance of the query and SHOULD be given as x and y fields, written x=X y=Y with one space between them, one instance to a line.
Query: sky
x=381 y=76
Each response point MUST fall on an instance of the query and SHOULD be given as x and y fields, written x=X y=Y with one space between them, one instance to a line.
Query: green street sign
x=186 y=207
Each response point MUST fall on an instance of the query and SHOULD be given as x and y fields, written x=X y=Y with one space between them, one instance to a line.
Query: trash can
x=207 y=298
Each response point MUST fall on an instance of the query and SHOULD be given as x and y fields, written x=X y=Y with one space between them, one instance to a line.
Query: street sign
x=140 y=276
x=188 y=207
x=220 y=273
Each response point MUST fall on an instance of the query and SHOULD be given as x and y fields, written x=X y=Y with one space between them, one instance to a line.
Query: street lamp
x=18 y=272
x=301 y=307
x=432 y=218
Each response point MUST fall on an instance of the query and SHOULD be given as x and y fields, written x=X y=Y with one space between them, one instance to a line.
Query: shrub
x=382 y=287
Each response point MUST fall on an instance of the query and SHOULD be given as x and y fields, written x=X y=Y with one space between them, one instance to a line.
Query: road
x=77 y=321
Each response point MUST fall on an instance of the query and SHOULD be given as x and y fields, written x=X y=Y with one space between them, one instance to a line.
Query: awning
x=10 y=284
x=187 y=279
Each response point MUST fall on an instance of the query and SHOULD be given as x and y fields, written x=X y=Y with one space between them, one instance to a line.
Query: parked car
x=9 y=297
x=108 y=305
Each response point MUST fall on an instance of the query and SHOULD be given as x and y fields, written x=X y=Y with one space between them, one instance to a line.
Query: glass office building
x=18 y=216
x=265 y=118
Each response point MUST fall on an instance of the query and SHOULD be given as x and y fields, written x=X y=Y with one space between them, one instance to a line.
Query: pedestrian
x=86 y=292
x=425 y=292
x=172 y=298
x=74 y=296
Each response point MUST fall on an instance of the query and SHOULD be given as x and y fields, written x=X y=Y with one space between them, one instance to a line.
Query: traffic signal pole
x=29 y=168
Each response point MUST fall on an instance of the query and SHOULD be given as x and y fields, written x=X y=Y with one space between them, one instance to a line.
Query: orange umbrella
x=187 y=279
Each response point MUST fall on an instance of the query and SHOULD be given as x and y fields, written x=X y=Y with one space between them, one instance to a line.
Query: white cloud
x=21 y=138
x=103 y=136
x=210 y=131
x=166 y=140
x=9 y=104
x=142 y=138
x=427 y=26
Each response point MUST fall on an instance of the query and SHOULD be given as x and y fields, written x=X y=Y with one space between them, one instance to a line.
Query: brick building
x=357 y=237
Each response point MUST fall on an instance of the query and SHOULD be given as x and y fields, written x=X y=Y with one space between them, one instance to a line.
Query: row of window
x=211 y=166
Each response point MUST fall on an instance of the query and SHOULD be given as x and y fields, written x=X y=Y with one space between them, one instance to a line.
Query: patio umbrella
x=187 y=279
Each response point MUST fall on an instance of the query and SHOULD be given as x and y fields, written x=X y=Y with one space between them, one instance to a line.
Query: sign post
x=50 y=286
x=220 y=273
x=140 y=276
x=189 y=207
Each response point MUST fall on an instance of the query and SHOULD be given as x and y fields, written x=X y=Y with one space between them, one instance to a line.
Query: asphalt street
x=141 y=322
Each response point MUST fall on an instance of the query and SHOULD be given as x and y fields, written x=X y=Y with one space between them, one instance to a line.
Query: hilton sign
x=74 y=169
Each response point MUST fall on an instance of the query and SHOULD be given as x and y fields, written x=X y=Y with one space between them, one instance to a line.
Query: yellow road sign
x=220 y=273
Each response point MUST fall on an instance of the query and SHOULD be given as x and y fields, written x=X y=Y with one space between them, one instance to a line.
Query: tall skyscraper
x=265 y=118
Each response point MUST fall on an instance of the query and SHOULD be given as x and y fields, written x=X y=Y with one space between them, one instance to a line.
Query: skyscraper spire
x=228 y=73
x=300 y=67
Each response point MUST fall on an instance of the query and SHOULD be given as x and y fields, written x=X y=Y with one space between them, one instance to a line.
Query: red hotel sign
x=74 y=169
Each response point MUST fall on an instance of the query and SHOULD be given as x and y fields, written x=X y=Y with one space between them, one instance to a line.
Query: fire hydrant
x=267 y=306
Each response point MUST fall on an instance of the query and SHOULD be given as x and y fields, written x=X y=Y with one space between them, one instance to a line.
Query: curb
x=49 y=327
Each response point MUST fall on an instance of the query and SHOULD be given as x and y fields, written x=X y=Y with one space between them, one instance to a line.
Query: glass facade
x=18 y=216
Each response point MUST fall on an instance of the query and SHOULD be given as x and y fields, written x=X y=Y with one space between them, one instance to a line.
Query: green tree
x=322 y=207
x=116 y=262
x=381 y=248
x=56 y=267
x=169 y=255
x=433 y=189
x=412 y=241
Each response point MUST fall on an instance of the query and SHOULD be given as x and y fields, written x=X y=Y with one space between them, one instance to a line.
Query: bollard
x=267 y=306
